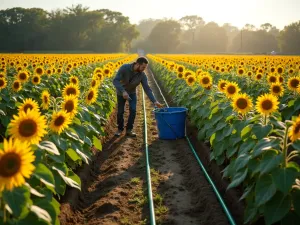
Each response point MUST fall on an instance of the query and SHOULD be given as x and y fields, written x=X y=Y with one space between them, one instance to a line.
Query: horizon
x=237 y=12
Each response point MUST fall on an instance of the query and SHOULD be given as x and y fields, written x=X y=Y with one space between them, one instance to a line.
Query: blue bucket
x=171 y=122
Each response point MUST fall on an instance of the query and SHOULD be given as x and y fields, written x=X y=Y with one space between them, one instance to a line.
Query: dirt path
x=185 y=191
x=115 y=195
x=117 y=192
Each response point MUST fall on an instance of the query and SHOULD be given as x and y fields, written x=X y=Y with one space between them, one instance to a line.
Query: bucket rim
x=184 y=109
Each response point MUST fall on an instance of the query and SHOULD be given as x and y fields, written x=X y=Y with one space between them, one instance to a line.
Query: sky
x=237 y=12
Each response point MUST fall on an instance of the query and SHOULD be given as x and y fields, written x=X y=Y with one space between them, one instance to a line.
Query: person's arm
x=117 y=80
x=147 y=89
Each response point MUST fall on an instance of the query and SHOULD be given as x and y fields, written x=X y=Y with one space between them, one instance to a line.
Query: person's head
x=141 y=64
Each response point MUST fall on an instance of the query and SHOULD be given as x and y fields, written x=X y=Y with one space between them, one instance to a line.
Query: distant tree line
x=77 y=28
x=191 y=34
x=72 y=29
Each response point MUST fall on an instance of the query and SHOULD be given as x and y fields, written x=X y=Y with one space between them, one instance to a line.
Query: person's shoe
x=130 y=133
x=118 y=133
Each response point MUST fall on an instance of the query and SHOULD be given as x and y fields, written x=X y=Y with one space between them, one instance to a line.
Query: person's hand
x=125 y=95
x=158 y=105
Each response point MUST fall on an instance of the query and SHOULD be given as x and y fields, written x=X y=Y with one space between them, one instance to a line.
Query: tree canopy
x=75 y=28
x=196 y=36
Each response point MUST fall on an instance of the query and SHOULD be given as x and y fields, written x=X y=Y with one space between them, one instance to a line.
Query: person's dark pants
x=121 y=109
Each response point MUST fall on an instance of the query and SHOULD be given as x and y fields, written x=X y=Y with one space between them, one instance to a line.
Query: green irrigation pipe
x=228 y=214
x=150 y=197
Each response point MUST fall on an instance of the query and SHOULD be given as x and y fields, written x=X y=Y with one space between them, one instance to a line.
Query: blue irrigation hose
x=150 y=197
x=226 y=210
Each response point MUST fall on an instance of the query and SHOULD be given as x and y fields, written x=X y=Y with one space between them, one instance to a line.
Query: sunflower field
x=52 y=112
x=247 y=109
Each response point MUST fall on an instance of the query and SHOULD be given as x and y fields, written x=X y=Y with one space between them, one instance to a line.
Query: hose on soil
x=150 y=197
x=226 y=210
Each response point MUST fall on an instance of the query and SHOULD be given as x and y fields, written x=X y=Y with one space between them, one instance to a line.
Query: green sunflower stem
x=285 y=146
x=265 y=120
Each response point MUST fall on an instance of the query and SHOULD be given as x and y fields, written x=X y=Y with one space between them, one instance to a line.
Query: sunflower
x=180 y=69
x=70 y=105
x=272 y=78
x=267 y=104
x=180 y=75
x=28 y=126
x=272 y=70
x=221 y=85
x=222 y=70
x=49 y=71
x=249 y=73
x=91 y=96
x=71 y=89
x=294 y=132
x=277 y=89
x=231 y=89
x=205 y=80
x=2 y=75
x=45 y=99
x=39 y=70
x=258 y=76
x=60 y=121
x=59 y=71
x=242 y=103
x=280 y=79
x=240 y=71
x=171 y=66
x=16 y=160
x=98 y=70
x=99 y=76
x=28 y=103
x=280 y=69
x=291 y=71
x=68 y=70
x=198 y=72
x=293 y=83
x=16 y=85
x=260 y=70
x=74 y=80
x=107 y=71
x=188 y=73
x=36 y=79
x=3 y=83
x=190 y=80
x=23 y=76
x=95 y=83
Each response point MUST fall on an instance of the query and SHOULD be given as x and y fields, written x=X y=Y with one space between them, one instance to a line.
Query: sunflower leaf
x=277 y=208
x=41 y=213
x=67 y=180
x=284 y=178
x=238 y=178
x=84 y=157
x=17 y=200
x=265 y=189
x=97 y=143
x=33 y=191
x=49 y=146
x=44 y=175
x=2 y=113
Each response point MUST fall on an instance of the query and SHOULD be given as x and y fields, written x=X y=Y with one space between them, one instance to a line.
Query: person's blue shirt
x=127 y=80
